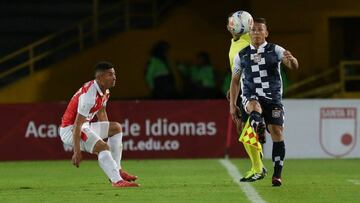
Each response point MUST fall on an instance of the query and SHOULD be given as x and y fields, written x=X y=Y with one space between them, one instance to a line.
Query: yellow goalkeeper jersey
x=237 y=46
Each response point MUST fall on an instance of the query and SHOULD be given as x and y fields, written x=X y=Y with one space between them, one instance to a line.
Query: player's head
x=230 y=22
x=105 y=74
x=239 y=23
x=259 y=32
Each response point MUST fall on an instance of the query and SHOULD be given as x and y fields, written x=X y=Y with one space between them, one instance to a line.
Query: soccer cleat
x=258 y=176
x=126 y=176
x=255 y=177
x=276 y=181
x=246 y=179
x=260 y=131
x=247 y=176
x=251 y=176
x=243 y=179
x=124 y=183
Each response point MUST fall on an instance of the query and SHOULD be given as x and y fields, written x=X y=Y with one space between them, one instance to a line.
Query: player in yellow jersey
x=239 y=42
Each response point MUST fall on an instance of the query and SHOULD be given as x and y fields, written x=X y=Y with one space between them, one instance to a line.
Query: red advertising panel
x=152 y=129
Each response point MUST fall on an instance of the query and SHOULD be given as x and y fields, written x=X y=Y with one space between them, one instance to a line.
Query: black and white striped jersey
x=260 y=71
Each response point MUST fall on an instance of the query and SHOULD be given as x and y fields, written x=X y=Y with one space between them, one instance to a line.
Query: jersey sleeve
x=279 y=52
x=85 y=104
x=236 y=65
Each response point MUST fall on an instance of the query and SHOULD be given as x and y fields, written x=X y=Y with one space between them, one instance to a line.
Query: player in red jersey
x=77 y=130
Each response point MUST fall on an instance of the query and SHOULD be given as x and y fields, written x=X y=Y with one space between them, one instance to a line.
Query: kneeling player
x=77 y=130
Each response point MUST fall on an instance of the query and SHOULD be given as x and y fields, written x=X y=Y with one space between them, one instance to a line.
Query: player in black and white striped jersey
x=261 y=95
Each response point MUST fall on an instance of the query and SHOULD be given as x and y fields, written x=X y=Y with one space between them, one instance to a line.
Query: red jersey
x=87 y=101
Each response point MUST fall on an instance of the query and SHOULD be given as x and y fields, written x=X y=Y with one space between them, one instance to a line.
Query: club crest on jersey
x=276 y=113
x=256 y=57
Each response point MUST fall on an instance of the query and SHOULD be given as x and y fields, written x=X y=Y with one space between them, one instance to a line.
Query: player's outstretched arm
x=79 y=121
x=289 y=60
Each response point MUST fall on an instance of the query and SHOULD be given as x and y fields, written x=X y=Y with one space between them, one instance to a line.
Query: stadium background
x=48 y=51
x=320 y=34
x=48 y=58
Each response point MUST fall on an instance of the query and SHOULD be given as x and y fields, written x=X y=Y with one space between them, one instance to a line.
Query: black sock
x=278 y=155
x=255 y=119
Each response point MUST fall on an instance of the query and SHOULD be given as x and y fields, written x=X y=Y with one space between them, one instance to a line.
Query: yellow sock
x=257 y=164
x=248 y=151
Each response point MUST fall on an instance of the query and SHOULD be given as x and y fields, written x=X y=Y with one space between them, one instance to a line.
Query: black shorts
x=273 y=113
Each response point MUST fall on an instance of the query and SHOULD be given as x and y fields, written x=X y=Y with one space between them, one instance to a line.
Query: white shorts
x=90 y=134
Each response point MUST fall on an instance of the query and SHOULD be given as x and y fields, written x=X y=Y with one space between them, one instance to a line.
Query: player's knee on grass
x=276 y=132
x=100 y=146
x=114 y=128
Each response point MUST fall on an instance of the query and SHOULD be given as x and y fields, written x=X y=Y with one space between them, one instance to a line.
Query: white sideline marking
x=249 y=191
x=356 y=182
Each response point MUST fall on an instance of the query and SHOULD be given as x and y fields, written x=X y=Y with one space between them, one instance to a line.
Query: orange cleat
x=126 y=176
x=124 y=183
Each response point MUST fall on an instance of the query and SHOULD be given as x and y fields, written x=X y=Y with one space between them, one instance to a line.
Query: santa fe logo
x=338 y=130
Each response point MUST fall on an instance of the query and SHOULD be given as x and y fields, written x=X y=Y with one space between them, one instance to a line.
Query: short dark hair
x=229 y=16
x=260 y=20
x=102 y=66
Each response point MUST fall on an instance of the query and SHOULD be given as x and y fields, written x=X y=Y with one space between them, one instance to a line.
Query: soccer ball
x=240 y=22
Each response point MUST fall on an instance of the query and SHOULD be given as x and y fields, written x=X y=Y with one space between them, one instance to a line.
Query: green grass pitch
x=178 y=180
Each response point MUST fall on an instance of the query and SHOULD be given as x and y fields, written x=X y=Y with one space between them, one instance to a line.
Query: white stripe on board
x=249 y=191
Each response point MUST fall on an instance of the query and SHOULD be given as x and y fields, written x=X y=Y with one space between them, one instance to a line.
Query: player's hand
x=288 y=58
x=76 y=159
x=239 y=126
x=228 y=95
x=288 y=55
x=235 y=113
